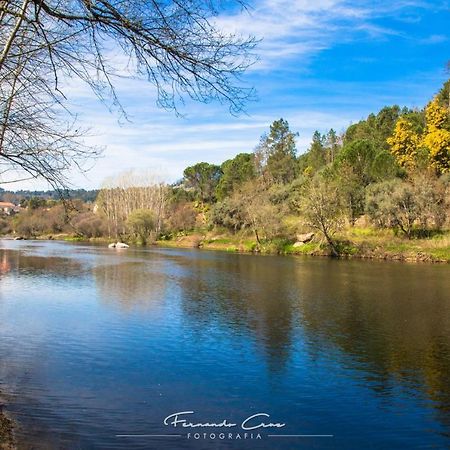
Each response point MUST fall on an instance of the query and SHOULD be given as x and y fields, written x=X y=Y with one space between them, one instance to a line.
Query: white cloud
x=434 y=39
x=302 y=28
x=295 y=28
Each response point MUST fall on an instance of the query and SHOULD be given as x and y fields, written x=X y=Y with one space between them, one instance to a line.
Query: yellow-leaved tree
x=404 y=143
x=437 y=136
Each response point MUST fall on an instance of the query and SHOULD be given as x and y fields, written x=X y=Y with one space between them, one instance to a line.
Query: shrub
x=141 y=223
x=5 y=226
x=414 y=206
x=182 y=217
x=89 y=225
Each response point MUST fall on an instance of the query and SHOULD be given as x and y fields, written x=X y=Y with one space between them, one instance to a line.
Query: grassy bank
x=354 y=242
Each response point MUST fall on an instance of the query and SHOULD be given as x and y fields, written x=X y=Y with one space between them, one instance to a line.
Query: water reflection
x=390 y=321
x=36 y=265
x=242 y=295
x=130 y=285
x=5 y=265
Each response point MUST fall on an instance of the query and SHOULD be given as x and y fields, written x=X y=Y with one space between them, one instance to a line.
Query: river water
x=99 y=346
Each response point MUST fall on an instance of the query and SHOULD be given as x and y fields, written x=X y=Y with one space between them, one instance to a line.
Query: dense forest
x=385 y=179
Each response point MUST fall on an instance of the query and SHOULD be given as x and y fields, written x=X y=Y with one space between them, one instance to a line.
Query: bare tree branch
x=173 y=44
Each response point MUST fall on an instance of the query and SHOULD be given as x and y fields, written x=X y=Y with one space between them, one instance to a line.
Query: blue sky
x=322 y=64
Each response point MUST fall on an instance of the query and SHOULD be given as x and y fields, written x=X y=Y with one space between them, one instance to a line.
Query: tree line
x=390 y=171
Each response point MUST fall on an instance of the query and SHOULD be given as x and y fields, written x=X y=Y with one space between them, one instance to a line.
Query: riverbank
x=364 y=243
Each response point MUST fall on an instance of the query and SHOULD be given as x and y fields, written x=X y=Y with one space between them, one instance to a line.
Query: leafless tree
x=131 y=191
x=37 y=136
x=174 y=44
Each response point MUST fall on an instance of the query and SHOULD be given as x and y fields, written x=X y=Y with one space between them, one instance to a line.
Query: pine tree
x=281 y=152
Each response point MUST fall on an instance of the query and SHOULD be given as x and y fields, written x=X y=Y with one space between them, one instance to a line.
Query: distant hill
x=17 y=196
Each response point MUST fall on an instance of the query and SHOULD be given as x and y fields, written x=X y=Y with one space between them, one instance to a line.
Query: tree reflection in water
x=130 y=284
x=393 y=320
x=241 y=295
x=29 y=265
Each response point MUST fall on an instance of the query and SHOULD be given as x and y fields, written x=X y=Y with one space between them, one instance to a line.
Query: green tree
x=332 y=146
x=203 y=178
x=141 y=223
x=317 y=154
x=444 y=94
x=36 y=202
x=393 y=204
x=264 y=218
x=230 y=213
x=250 y=208
x=360 y=155
x=235 y=172
x=279 y=152
x=376 y=128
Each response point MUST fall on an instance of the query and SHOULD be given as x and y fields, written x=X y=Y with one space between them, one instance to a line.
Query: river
x=99 y=346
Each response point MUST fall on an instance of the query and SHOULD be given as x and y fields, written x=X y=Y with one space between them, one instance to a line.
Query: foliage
x=376 y=128
x=231 y=214
x=128 y=192
x=401 y=207
x=181 y=217
x=141 y=222
x=35 y=222
x=235 y=172
x=316 y=153
x=432 y=197
x=21 y=196
x=412 y=207
x=5 y=226
x=443 y=95
x=89 y=225
x=321 y=207
x=202 y=178
x=360 y=156
x=277 y=154
x=352 y=192
x=437 y=136
x=250 y=208
x=404 y=144
x=357 y=165
x=35 y=202
x=392 y=167
x=417 y=146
